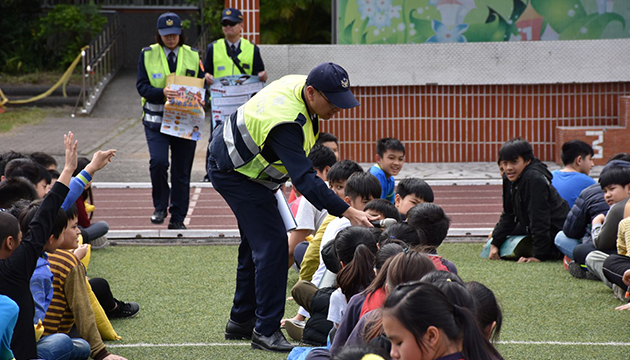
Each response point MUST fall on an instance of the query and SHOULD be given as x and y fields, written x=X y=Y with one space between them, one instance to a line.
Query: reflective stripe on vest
x=157 y=69
x=223 y=64
x=246 y=131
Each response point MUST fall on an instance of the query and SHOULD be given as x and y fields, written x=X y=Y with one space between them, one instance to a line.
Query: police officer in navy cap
x=284 y=116
x=232 y=55
x=168 y=55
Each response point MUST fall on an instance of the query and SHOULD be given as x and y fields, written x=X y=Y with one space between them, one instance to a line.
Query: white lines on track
x=191 y=205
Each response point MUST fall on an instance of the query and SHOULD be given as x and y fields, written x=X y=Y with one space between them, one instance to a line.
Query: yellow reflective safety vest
x=157 y=69
x=223 y=64
x=245 y=132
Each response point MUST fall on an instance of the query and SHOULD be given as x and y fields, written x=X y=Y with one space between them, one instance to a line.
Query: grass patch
x=40 y=78
x=18 y=116
x=185 y=294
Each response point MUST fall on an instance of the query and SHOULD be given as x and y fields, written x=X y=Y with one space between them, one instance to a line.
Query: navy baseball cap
x=169 y=24
x=232 y=14
x=332 y=80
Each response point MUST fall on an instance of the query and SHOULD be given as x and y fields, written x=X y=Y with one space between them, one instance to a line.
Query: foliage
x=66 y=29
x=211 y=17
x=295 y=22
x=17 y=19
x=15 y=117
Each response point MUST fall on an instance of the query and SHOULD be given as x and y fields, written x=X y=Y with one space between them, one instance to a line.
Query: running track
x=468 y=206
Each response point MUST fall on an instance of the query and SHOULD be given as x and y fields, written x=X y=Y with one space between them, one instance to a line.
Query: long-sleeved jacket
x=588 y=205
x=535 y=204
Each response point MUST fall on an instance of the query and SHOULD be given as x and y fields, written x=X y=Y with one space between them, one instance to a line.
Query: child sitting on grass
x=431 y=220
x=19 y=253
x=390 y=156
x=411 y=192
x=573 y=177
x=531 y=201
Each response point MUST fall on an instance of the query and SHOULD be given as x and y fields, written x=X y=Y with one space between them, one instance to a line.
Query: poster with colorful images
x=446 y=21
x=230 y=92
x=184 y=115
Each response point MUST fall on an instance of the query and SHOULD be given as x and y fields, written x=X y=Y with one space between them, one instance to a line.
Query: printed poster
x=230 y=92
x=184 y=115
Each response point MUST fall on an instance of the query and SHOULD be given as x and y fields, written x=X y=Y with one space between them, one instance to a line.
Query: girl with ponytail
x=423 y=324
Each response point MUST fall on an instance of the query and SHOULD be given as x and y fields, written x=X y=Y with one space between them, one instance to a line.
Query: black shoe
x=239 y=331
x=158 y=216
x=176 y=225
x=124 y=310
x=276 y=342
x=206 y=178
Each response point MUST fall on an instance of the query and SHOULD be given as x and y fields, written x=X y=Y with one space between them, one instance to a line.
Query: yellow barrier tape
x=62 y=81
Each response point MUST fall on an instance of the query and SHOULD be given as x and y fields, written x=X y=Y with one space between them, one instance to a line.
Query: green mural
x=421 y=21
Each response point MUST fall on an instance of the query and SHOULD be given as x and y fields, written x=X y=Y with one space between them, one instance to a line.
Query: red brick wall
x=439 y=123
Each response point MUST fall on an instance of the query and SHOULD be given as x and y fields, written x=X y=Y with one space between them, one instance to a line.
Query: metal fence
x=101 y=62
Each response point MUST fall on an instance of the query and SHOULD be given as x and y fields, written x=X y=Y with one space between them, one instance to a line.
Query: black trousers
x=101 y=290
x=263 y=255
x=614 y=267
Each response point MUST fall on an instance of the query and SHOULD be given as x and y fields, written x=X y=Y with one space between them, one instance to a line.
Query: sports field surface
x=185 y=294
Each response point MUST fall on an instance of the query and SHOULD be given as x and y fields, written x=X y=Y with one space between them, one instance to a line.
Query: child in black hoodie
x=532 y=201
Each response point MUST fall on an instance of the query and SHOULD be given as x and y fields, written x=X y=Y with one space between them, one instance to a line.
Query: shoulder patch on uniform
x=301 y=119
x=148 y=48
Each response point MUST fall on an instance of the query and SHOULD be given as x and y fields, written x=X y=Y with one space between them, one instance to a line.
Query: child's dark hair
x=13 y=189
x=82 y=162
x=458 y=294
x=431 y=219
x=72 y=212
x=27 y=215
x=574 y=148
x=25 y=168
x=8 y=226
x=489 y=310
x=322 y=156
x=384 y=207
x=388 y=250
x=403 y=267
x=514 y=148
x=440 y=275
x=342 y=170
x=420 y=305
x=355 y=247
x=43 y=159
x=359 y=352
x=325 y=137
x=415 y=186
x=614 y=175
x=182 y=39
x=384 y=144
x=364 y=185
x=8 y=156
x=403 y=232
x=54 y=174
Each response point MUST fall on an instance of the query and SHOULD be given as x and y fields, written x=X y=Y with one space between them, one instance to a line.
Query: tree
x=295 y=22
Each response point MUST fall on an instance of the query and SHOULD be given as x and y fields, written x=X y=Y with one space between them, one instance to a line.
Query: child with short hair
x=382 y=208
x=19 y=253
x=411 y=192
x=330 y=141
x=337 y=178
x=591 y=202
x=532 y=202
x=432 y=221
x=16 y=188
x=390 y=156
x=573 y=177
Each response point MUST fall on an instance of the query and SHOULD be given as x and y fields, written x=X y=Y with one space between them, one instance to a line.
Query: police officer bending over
x=263 y=143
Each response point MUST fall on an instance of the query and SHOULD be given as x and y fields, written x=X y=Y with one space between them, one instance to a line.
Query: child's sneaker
x=99 y=243
x=566 y=261
x=124 y=310
x=576 y=270
x=620 y=293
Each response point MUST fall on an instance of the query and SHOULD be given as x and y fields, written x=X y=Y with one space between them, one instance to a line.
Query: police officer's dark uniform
x=265 y=142
x=155 y=63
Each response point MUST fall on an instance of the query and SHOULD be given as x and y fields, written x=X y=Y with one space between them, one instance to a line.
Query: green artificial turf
x=185 y=294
